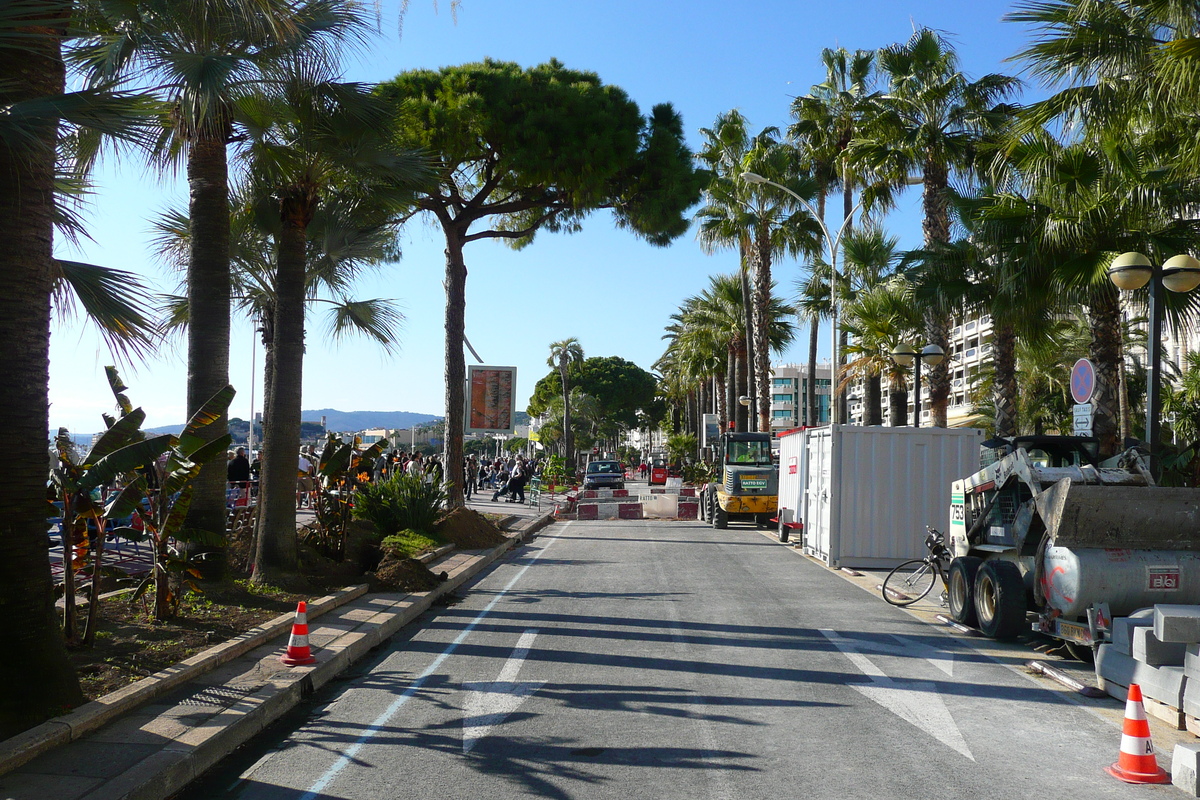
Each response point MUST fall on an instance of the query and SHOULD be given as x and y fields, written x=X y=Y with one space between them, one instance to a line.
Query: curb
x=184 y=759
x=26 y=746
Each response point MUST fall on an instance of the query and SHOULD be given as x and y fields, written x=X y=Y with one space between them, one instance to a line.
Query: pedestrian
x=501 y=482
x=304 y=481
x=415 y=468
x=470 y=476
x=516 y=483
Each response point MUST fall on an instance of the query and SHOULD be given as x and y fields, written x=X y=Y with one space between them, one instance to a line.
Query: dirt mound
x=405 y=575
x=468 y=530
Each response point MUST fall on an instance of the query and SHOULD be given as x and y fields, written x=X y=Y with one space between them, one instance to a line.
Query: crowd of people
x=505 y=477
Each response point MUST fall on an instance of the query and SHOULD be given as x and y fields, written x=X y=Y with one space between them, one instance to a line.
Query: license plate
x=754 y=483
x=1073 y=631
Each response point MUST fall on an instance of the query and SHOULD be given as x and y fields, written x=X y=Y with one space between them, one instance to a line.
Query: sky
x=612 y=291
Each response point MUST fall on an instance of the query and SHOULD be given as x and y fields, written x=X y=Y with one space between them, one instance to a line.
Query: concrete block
x=687 y=491
x=1191 y=662
x=689 y=510
x=1184 y=772
x=1148 y=649
x=1174 y=623
x=588 y=511
x=1164 y=684
x=1122 y=627
x=629 y=511
x=620 y=493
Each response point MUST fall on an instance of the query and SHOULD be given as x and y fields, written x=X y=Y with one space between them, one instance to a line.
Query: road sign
x=1083 y=380
x=1083 y=415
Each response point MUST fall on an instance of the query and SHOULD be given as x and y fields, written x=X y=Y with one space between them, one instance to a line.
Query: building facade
x=789 y=395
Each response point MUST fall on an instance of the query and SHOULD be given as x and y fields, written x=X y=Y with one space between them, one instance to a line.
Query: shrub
x=402 y=502
x=407 y=544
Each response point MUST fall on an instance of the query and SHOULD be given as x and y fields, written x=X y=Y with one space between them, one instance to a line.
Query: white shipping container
x=870 y=491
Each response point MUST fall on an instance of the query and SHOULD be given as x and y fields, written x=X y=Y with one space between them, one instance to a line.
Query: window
x=782 y=398
x=788 y=382
x=781 y=414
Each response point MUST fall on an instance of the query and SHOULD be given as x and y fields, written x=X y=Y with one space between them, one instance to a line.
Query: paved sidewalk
x=151 y=739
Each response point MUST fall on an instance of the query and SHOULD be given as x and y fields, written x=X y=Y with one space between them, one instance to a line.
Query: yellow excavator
x=747 y=483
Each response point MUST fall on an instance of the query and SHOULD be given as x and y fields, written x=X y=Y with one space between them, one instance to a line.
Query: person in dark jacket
x=239 y=467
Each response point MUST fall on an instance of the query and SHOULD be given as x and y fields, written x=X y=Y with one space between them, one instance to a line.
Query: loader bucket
x=1120 y=517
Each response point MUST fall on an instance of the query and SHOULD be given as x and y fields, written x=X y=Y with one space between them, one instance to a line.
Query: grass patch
x=408 y=544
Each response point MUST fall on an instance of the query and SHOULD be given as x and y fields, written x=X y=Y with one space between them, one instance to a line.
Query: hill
x=343 y=421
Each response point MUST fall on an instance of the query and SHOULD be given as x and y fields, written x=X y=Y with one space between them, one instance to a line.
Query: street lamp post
x=1181 y=273
x=905 y=354
x=831 y=243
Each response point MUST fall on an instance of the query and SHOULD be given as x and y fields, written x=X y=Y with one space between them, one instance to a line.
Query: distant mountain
x=362 y=420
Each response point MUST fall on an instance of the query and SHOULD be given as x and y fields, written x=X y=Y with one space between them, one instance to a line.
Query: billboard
x=490 y=397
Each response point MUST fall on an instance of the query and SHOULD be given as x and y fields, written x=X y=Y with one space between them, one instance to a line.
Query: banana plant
x=340 y=468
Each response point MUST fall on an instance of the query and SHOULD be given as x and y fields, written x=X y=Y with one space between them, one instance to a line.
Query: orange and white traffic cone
x=298 y=651
x=1136 y=762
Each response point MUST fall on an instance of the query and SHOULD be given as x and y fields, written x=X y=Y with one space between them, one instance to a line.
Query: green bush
x=407 y=544
x=402 y=502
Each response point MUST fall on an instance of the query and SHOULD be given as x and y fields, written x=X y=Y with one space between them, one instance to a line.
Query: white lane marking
x=916 y=702
x=941 y=659
x=488 y=703
x=382 y=720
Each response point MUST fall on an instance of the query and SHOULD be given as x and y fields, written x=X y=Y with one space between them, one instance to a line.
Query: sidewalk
x=149 y=740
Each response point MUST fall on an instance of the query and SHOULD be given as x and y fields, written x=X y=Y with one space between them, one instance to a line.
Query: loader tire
x=720 y=518
x=961 y=589
x=702 y=505
x=1000 y=599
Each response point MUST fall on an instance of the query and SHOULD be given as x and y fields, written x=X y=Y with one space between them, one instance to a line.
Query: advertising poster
x=490 y=397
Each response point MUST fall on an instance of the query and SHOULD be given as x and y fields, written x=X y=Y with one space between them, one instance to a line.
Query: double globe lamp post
x=905 y=354
x=1131 y=271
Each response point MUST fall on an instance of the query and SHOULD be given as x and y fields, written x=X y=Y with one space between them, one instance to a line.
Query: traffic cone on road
x=298 y=651
x=1136 y=762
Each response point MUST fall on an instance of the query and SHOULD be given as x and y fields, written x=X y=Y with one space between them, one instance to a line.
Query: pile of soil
x=468 y=530
x=130 y=645
x=403 y=575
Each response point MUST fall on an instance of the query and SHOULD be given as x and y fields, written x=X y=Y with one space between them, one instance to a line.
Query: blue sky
x=603 y=286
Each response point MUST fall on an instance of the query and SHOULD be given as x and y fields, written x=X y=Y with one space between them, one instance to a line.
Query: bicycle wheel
x=909 y=582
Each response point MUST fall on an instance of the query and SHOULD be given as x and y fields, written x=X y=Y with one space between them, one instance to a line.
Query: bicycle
x=912 y=580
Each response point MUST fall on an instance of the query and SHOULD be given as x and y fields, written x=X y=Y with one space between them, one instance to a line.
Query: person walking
x=415 y=468
x=516 y=483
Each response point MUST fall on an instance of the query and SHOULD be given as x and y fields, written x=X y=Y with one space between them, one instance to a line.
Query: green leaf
x=146 y=583
x=126 y=532
x=127 y=459
x=173 y=525
x=121 y=433
x=118 y=388
x=127 y=500
x=212 y=410
x=209 y=451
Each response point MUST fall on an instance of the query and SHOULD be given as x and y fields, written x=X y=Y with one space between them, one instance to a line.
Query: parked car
x=604 y=475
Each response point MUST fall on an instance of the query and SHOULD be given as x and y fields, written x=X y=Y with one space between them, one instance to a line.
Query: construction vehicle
x=747 y=481
x=1047 y=528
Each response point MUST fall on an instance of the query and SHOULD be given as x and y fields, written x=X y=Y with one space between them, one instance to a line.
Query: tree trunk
x=749 y=382
x=731 y=390
x=39 y=679
x=1104 y=314
x=873 y=400
x=568 y=438
x=720 y=398
x=811 y=413
x=898 y=400
x=275 y=554
x=843 y=399
x=762 y=343
x=936 y=227
x=1004 y=383
x=456 y=369
x=741 y=412
x=208 y=321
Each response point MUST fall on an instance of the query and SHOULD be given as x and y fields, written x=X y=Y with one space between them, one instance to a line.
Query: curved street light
x=905 y=354
x=1181 y=273
x=831 y=243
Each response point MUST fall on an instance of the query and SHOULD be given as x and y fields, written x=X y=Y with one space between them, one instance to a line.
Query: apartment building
x=789 y=394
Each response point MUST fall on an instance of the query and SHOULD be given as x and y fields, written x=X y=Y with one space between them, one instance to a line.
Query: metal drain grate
x=217 y=696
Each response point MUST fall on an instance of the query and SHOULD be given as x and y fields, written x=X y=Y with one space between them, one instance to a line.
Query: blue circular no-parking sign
x=1083 y=380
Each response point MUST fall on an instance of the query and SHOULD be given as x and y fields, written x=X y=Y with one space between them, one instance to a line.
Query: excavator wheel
x=1000 y=599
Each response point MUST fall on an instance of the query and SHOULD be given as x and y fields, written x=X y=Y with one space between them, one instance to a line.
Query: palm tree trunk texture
x=39 y=679
x=936 y=227
x=568 y=436
x=1104 y=314
x=843 y=398
x=720 y=399
x=456 y=368
x=898 y=399
x=811 y=412
x=873 y=400
x=731 y=391
x=275 y=553
x=208 y=313
x=762 y=345
x=749 y=382
x=741 y=412
x=1004 y=383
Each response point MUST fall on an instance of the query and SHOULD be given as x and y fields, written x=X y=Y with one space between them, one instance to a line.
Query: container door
x=817 y=496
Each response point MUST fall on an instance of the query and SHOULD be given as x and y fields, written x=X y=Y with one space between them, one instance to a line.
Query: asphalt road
x=649 y=659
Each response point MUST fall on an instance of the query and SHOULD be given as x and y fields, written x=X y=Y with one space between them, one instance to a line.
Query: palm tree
x=827 y=119
x=760 y=221
x=881 y=317
x=210 y=60
x=563 y=354
x=927 y=124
